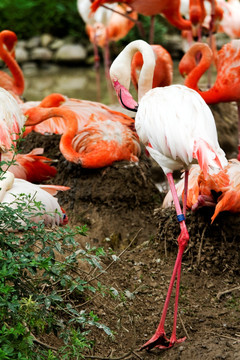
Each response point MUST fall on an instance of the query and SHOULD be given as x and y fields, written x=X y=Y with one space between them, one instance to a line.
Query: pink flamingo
x=14 y=84
x=177 y=128
x=11 y=121
x=226 y=87
x=97 y=143
x=163 y=72
x=32 y=167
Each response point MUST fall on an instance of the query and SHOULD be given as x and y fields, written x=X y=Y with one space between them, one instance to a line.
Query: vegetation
x=46 y=278
x=60 y=18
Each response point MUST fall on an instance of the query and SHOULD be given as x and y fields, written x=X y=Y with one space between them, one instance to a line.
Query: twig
x=43 y=344
x=225 y=336
x=200 y=247
x=100 y=274
x=184 y=328
x=227 y=291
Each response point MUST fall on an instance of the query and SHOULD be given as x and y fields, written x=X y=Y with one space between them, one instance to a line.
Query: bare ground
x=121 y=206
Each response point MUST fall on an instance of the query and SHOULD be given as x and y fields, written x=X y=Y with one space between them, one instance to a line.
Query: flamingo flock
x=172 y=121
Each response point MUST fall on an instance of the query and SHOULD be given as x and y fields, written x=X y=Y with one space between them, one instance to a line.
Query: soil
x=121 y=206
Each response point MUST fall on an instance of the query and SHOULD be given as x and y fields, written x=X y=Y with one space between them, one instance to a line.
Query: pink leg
x=159 y=339
x=97 y=68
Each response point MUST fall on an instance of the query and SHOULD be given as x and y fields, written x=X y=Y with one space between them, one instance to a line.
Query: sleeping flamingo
x=32 y=167
x=12 y=189
x=178 y=129
x=226 y=87
x=163 y=72
x=98 y=143
x=14 y=84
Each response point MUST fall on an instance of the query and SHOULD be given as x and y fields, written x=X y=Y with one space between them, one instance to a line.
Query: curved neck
x=18 y=78
x=121 y=67
x=39 y=114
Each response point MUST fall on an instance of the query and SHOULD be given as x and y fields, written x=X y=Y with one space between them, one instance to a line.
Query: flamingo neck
x=18 y=78
x=38 y=114
x=121 y=67
x=198 y=70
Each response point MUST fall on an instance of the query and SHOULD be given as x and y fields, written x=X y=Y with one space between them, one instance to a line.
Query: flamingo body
x=32 y=167
x=94 y=141
x=52 y=213
x=163 y=71
x=171 y=10
x=11 y=120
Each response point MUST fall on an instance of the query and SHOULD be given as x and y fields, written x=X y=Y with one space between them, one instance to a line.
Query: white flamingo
x=178 y=129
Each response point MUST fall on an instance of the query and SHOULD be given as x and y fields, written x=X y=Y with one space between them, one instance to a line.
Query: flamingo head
x=124 y=97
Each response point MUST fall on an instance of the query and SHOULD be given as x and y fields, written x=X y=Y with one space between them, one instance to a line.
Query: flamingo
x=14 y=84
x=170 y=9
x=11 y=121
x=163 y=72
x=32 y=167
x=226 y=87
x=177 y=128
x=12 y=189
x=225 y=183
x=83 y=110
x=99 y=143
x=230 y=21
x=103 y=27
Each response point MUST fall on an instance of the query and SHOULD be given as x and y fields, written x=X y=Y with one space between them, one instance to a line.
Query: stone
x=42 y=54
x=71 y=53
x=46 y=40
x=21 y=55
x=33 y=42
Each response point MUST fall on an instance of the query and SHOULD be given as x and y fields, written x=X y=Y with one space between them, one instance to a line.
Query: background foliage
x=60 y=18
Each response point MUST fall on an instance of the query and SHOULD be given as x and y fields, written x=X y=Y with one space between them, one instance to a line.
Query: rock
x=33 y=42
x=56 y=44
x=21 y=55
x=41 y=53
x=71 y=53
x=46 y=40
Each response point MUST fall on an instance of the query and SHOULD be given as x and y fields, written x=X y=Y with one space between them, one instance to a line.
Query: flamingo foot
x=161 y=341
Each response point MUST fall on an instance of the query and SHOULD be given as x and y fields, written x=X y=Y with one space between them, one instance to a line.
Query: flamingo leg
x=159 y=339
x=97 y=68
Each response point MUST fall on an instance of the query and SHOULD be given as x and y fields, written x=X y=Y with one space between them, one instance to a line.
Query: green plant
x=43 y=286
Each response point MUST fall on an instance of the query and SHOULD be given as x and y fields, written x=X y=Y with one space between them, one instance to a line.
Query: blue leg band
x=181 y=217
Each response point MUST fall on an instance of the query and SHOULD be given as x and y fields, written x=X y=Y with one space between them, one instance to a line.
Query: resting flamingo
x=11 y=121
x=33 y=167
x=98 y=143
x=53 y=214
x=225 y=184
x=14 y=84
x=177 y=128
x=226 y=87
x=163 y=72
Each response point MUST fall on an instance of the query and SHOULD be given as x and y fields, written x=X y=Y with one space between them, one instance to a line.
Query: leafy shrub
x=43 y=286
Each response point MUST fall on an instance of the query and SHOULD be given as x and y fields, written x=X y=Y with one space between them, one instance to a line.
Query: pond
x=75 y=82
